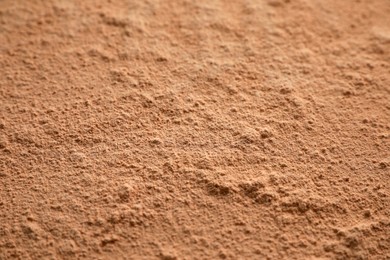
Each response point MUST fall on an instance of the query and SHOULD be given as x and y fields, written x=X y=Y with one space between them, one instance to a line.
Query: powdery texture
x=194 y=129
